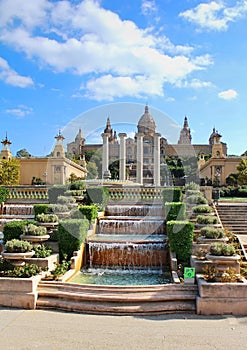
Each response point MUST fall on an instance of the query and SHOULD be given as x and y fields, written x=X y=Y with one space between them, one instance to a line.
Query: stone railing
x=135 y=193
x=27 y=192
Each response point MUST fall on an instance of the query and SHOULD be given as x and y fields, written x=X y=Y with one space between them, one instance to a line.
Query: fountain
x=130 y=245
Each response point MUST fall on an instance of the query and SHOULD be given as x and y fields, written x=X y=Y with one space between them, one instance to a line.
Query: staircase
x=117 y=300
x=234 y=219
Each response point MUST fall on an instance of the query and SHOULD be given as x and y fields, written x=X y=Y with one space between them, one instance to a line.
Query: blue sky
x=63 y=61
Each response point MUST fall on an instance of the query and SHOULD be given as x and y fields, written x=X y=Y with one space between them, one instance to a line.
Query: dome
x=146 y=123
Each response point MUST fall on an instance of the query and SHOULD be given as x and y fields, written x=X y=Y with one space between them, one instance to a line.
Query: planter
x=48 y=262
x=199 y=264
x=222 y=263
x=17 y=259
x=203 y=240
x=50 y=226
x=19 y=292
x=35 y=240
x=217 y=298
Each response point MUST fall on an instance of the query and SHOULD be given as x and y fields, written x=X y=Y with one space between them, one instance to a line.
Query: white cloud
x=21 y=111
x=215 y=15
x=228 y=94
x=148 y=7
x=90 y=41
x=196 y=84
x=11 y=77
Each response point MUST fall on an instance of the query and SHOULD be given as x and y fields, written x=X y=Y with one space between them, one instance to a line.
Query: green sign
x=189 y=272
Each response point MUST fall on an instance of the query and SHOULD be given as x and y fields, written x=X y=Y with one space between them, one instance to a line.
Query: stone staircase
x=117 y=300
x=234 y=219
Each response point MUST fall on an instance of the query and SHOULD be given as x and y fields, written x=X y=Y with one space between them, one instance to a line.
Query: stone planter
x=199 y=264
x=209 y=241
x=222 y=263
x=217 y=298
x=35 y=240
x=19 y=292
x=17 y=259
x=49 y=262
x=51 y=226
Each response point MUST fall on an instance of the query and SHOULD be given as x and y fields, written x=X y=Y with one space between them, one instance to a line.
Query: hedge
x=14 y=229
x=4 y=193
x=89 y=211
x=56 y=191
x=175 y=211
x=71 y=234
x=41 y=209
x=180 y=236
x=97 y=195
x=172 y=195
x=77 y=185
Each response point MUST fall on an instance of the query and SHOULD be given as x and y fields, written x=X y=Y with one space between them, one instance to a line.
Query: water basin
x=121 y=277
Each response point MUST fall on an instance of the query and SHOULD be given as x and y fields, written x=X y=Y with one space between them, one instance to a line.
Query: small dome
x=146 y=123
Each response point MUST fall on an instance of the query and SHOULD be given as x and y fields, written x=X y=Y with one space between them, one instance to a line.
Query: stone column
x=139 y=158
x=105 y=157
x=157 y=159
x=122 y=157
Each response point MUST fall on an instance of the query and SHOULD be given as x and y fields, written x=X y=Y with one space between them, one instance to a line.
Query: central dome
x=146 y=123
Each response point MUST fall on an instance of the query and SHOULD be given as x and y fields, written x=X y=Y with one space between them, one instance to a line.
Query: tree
x=92 y=170
x=9 y=172
x=242 y=171
x=22 y=153
x=114 y=169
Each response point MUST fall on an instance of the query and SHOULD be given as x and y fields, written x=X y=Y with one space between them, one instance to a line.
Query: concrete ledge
x=48 y=262
x=19 y=292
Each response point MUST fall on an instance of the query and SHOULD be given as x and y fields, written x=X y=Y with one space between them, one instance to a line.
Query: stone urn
x=35 y=240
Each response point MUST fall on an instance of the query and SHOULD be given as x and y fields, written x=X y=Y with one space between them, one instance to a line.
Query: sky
x=71 y=64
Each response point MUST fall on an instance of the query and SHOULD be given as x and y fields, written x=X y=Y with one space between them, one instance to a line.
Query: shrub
x=89 y=211
x=193 y=193
x=17 y=246
x=59 y=208
x=196 y=199
x=203 y=209
x=206 y=220
x=180 y=235
x=222 y=249
x=60 y=269
x=192 y=186
x=14 y=229
x=172 y=195
x=42 y=251
x=77 y=185
x=97 y=195
x=71 y=234
x=41 y=209
x=33 y=230
x=55 y=191
x=212 y=232
x=175 y=211
x=47 y=218
x=26 y=271
x=65 y=200
x=4 y=193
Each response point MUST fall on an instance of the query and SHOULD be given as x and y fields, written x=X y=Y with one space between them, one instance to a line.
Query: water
x=128 y=238
x=118 y=226
x=121 y=277
x=134 y=210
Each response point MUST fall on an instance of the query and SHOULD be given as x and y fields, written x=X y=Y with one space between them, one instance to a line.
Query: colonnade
x=139 y=157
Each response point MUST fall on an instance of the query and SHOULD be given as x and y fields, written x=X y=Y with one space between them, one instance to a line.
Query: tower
x=185 y=136
x=5 y=152
x=58 y=151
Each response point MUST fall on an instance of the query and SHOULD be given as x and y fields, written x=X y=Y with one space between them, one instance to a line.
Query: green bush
x=207 y=220
x=33 y=230
x=224 y=249
x=41 y=209
x=58 y=208
x=172 y=195
x=203 y=209
x=14 y=229
x=180 y=236
x=196 y=199
x=17 y=246
x=212 y=232
x=4 y=193
x=192 y=186
x=65 y=200
x=71 y=234
x=26 y=271
x=77 y=185
x=97 y=195
x=89 y=211
x=42 y=251
x=55 y=191
x=175 y=211
x=47 y=218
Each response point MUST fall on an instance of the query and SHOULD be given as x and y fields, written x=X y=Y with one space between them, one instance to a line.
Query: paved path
x=51 y=330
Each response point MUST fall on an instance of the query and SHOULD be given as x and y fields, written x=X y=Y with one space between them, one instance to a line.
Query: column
x=105 y=157
x=122 y=157
x=139 y=158
x=157 y=159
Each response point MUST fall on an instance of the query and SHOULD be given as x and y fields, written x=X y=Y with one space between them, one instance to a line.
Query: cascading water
x=130 y=245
